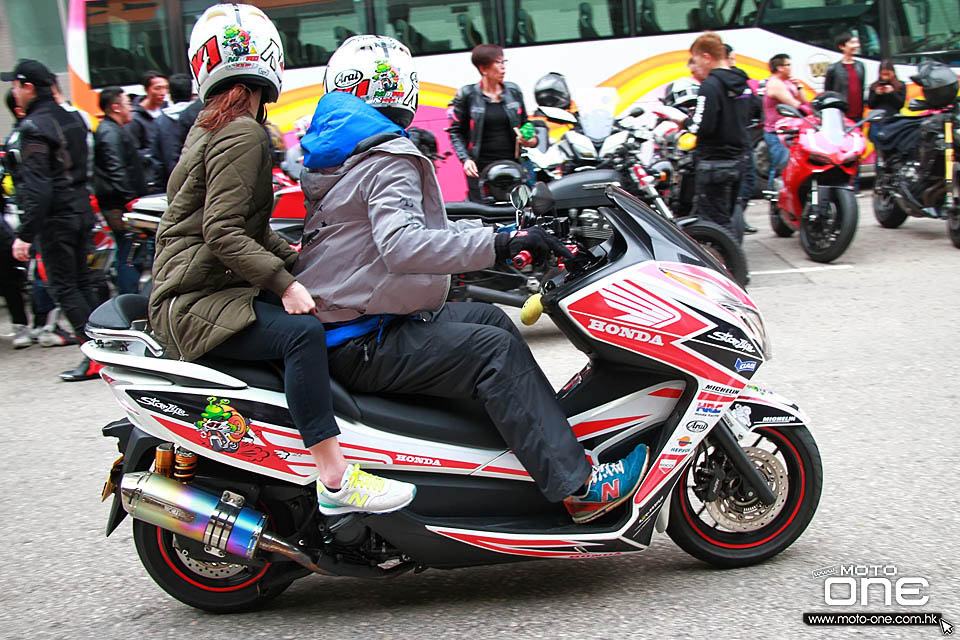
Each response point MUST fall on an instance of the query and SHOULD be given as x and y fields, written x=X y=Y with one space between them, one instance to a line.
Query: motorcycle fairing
x=251 y=428
x=758 y=406
x=630 y=309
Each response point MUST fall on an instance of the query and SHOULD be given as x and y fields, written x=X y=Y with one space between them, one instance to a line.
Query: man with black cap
x=52 y=192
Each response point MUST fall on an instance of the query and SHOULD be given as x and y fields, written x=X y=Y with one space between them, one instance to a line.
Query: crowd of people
x=225 y=284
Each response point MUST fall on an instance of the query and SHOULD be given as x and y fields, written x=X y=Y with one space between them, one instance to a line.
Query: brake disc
x=736 y=514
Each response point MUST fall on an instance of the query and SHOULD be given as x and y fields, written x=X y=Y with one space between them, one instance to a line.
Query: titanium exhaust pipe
x=221 y=523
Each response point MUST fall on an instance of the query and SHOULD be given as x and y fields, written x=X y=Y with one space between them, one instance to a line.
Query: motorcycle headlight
x=820 y=160
x=750 y=317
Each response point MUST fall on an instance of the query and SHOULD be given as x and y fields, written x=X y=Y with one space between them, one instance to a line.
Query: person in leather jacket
x=52 y=192
x=846 y=76
x=485 y=116
x=117 y=177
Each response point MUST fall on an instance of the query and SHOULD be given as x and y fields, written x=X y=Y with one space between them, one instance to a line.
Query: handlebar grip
x=522 y=259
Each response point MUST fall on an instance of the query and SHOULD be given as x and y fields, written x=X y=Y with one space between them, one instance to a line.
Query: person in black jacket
x=173 y=124
x=887 y=93
x=142 y=126
x=718 y=123
x=52 y=192
x=485 y=118
x=846 y=76
x=117 y=177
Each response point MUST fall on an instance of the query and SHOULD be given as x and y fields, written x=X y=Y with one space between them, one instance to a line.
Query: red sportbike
x=816 y=196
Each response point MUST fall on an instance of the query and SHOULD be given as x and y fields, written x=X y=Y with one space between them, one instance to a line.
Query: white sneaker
x=21 y=336
x=364 y=492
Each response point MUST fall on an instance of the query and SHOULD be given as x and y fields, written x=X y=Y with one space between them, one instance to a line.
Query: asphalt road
x=868 y=347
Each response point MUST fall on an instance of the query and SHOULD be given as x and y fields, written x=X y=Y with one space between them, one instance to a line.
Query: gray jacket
x=377 y=239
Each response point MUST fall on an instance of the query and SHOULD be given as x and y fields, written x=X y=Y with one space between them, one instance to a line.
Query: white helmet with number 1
x=380 y=71
x=233 y=43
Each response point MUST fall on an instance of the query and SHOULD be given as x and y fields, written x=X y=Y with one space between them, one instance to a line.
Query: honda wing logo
x=640 y=307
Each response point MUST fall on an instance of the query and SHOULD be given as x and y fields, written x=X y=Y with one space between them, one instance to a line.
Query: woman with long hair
x=887 y=93
x=222 y=281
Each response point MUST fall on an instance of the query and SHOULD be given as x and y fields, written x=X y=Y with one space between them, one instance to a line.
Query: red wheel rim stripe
x=686 y=513
x=186 y=578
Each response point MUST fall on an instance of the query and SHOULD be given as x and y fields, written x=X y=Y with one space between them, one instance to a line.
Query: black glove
x=538 y=242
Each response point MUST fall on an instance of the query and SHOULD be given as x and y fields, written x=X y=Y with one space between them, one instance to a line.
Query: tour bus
x=634 y=46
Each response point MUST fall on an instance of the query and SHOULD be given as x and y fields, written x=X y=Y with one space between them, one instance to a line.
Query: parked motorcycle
x=817 y=197
x=916 y=173
x=220 y=485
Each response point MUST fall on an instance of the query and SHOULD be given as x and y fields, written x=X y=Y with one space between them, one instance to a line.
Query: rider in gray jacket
x=376 y=251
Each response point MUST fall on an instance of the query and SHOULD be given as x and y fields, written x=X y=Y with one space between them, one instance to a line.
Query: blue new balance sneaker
x=610 y=484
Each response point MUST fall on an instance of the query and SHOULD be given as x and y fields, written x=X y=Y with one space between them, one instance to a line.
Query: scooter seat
x=120 y=313
x=462 y=422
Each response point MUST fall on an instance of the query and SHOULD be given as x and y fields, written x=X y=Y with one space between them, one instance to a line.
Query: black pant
x=11 y=282
x=715 y=194
x=302 y=344
x=473 y=350
x=65 y=244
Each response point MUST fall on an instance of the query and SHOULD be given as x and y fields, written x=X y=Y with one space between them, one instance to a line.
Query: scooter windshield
x=659 y=239
x=831 y=125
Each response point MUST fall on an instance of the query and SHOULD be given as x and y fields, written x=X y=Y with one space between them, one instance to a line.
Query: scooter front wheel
x=735 y=529
x=203 y=582
x=953 y=224
x=826 y=233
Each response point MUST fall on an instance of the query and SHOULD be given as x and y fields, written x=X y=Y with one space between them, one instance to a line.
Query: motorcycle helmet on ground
x=236 y=43
x=500 y=178
x=552 y=91
x=682 y=93
x=939 y=84
x=828 y=100
x=380 y=71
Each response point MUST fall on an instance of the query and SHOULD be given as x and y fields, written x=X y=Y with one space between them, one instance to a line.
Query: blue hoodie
x=340 y=122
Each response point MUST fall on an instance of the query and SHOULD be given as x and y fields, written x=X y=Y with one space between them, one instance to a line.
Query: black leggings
x=473 y=350
x=11 y=284
x=302 y=344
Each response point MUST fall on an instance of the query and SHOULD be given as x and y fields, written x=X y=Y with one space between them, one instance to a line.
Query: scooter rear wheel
x=203 y=583
x=953 y=224
x=827 y=235
x=734 y=531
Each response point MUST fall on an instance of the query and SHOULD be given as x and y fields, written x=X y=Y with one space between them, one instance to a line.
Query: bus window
x=673 y=16
x=919 y=26
x=542 y=21
x=432 y=26
x=125 y=39
x=818 y=22
x=310 y=31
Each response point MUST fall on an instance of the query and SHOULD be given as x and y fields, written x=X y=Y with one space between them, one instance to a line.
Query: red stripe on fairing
x=668 y=393
x=655 y=475
x=515 y=472
x=725 y=545
x=289 y=433
x=450 y=464
x=515 y=547
x=249 y=452
x=590 y=427
x=349 y=457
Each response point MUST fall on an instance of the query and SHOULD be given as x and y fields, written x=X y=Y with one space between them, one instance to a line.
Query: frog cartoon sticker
x=223 y=427
x=238 y=40
x=386 y=82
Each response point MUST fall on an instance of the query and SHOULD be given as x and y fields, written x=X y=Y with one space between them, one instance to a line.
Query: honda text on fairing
x=220 y=486
x=917 y=174
x=817 y=197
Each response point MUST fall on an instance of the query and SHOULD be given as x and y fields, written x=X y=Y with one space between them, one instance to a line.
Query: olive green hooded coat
x=215 y=249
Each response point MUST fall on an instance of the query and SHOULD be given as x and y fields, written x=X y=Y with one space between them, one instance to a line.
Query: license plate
x=116 y=470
